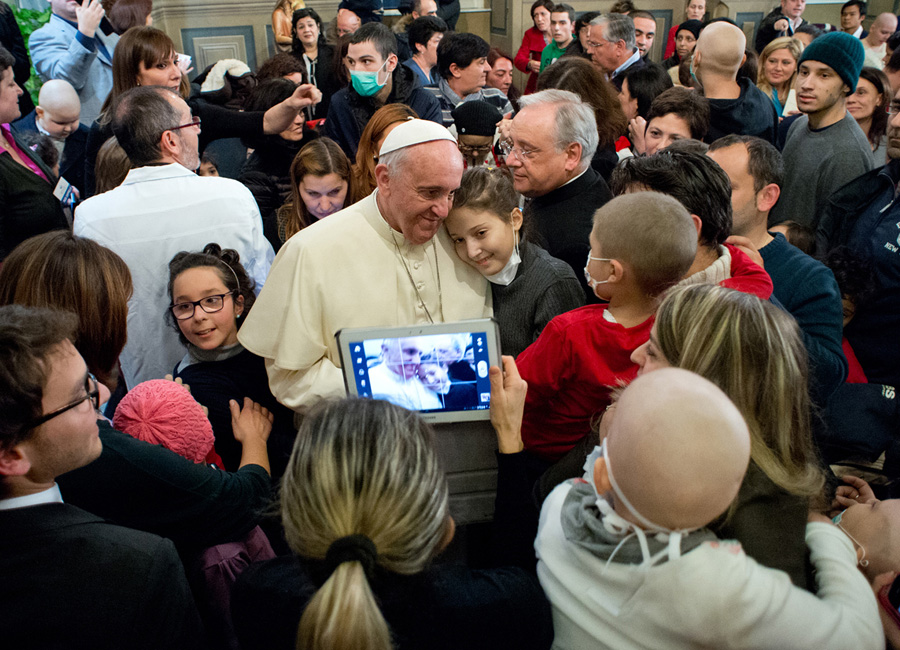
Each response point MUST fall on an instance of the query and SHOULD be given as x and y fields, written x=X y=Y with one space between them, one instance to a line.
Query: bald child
x=57 y=116
x=626 y=559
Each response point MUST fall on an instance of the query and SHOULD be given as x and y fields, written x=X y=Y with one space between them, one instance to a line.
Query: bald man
x=57 y=116
x=875 y=44
x=737 y=107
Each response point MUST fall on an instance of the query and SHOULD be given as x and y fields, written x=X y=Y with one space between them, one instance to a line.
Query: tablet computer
x=439 y=370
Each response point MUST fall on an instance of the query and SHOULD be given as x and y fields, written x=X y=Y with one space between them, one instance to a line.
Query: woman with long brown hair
x=321 y=181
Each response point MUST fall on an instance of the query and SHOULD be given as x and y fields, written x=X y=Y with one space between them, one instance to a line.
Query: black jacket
x=350 y=112
x=564 y=218
x=71 y=164
x=267 y=174
x=326 y=77
x=27 y=204
x=766 y=33
x=753 y=113
x=71 y=580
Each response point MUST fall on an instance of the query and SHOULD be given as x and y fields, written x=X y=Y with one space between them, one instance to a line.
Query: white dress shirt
x=157 y=212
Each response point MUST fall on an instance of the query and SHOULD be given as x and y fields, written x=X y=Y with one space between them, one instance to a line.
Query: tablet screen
x=428 y=373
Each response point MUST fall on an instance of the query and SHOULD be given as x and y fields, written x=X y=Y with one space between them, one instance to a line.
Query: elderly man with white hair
x=551 y=142
x=384 y=261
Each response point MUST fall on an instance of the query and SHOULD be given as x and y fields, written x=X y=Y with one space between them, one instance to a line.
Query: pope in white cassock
x=384 y=261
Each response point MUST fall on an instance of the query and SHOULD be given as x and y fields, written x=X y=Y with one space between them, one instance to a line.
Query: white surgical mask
x=592 y=283
x=508 y=273
x=617 y=525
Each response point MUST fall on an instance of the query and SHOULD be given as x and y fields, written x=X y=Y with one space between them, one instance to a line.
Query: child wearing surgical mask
x=641 y=244
x=529 y=286
x=873 y=526
x=627 y=560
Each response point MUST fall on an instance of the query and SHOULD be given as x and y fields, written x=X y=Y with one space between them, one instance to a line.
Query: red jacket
x=571 y=370
x=532 y=46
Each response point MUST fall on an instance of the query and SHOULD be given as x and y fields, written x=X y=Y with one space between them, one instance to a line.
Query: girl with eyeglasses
x=211 y=295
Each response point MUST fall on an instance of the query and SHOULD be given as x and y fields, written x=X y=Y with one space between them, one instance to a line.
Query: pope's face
x=417 y=196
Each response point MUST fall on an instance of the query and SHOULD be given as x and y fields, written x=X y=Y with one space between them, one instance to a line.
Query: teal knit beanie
x=841 y=52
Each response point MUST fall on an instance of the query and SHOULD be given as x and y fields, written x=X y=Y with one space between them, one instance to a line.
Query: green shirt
x=551 y=53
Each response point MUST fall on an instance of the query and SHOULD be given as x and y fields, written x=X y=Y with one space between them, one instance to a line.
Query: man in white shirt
x=163 y=208
x=384 y=261
x=69 y=578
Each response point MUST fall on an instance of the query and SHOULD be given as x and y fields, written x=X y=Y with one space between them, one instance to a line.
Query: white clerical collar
x=50 y=495
x=632 y=59
x=572 y=180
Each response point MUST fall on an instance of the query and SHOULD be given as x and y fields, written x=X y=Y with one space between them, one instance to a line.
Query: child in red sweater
x=641 y=244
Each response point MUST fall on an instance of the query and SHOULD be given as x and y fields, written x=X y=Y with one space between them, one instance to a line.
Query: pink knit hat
x=162 y=412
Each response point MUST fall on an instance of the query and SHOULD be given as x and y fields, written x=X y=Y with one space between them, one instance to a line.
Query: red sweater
x=532 y=46
x=571 y=369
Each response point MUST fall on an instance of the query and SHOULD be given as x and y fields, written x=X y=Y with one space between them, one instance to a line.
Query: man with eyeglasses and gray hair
x=163 y=208
x=551 y=142
x=69 y=578
x=612 y=46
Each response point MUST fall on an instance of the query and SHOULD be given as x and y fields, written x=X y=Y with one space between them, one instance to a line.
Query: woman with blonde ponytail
x=364 y=504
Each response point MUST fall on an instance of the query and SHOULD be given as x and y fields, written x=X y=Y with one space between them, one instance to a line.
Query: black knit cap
x=476 y=118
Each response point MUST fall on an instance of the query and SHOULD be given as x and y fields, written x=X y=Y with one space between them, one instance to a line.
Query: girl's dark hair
x=227 y=262
x=584 y=21
x=646 y=84
x=483 y=188
x=854 y=273
x=266 y=95
x=880 y=115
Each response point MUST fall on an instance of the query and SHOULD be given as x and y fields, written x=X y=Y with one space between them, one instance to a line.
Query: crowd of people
x=693 y=266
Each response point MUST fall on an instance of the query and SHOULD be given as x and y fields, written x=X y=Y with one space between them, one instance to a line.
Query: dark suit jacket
x=70 y=580
x=619 y=78
x=71 y=164
x=564 y=217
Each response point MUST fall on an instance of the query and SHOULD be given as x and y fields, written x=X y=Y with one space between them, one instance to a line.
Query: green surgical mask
x=366 y=83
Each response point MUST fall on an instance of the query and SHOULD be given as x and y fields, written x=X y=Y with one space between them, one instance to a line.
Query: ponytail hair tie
x=353 y=548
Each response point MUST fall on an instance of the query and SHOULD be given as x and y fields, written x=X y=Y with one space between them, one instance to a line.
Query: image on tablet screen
x=438 y=372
